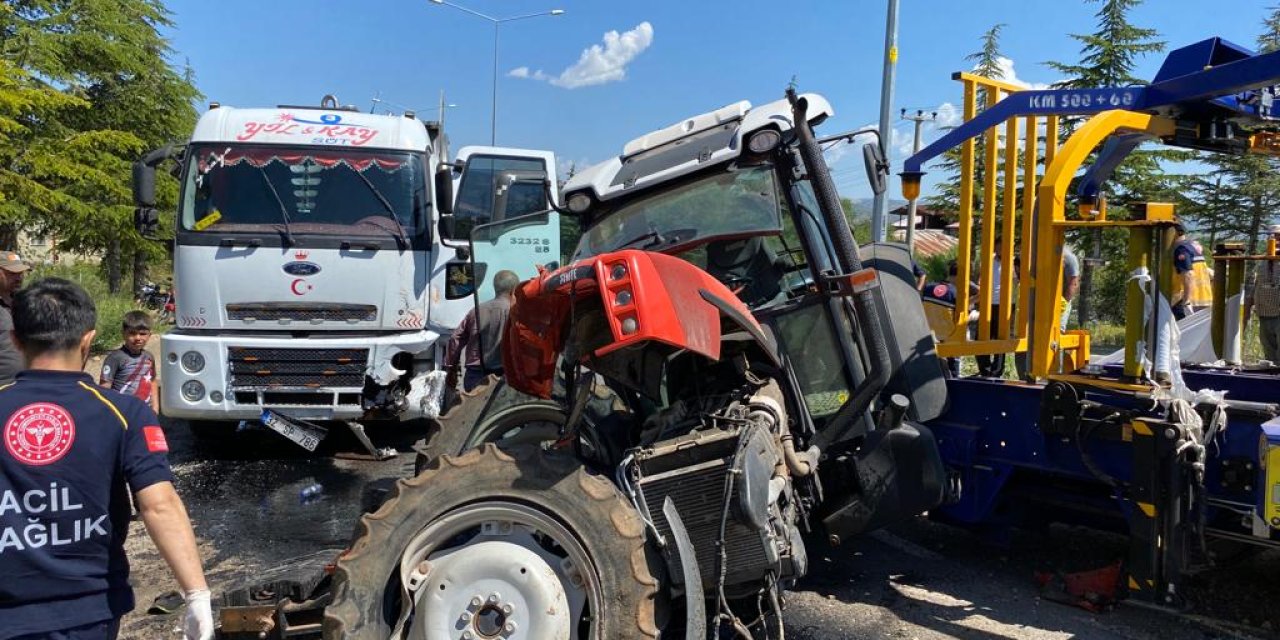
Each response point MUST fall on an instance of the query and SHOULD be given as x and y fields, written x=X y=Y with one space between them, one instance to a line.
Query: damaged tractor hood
x=625 y=313
x=300 y=289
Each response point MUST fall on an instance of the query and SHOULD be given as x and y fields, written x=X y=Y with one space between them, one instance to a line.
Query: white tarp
x=1195 y=344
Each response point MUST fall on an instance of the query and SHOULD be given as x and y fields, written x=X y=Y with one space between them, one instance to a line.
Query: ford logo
x=301 y=268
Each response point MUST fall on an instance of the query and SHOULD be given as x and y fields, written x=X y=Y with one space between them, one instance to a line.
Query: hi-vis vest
x=1202 y=283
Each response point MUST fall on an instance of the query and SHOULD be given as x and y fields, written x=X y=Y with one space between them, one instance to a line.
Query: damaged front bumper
x=235 y=377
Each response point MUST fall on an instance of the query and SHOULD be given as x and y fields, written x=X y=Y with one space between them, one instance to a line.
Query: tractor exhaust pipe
x=850 y=261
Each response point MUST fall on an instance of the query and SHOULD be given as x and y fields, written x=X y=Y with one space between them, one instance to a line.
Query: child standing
x=130 y=369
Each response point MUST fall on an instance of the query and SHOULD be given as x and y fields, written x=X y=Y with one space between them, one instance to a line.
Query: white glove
x=198 y=624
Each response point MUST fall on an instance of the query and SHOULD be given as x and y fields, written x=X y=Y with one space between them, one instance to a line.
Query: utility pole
x=919 y=119
x=496 y=22
x=880 y=210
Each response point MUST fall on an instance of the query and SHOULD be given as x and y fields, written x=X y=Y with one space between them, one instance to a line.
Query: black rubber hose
x=849 y=261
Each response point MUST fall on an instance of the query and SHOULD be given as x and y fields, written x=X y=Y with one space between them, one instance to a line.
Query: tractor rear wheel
x=498 y=544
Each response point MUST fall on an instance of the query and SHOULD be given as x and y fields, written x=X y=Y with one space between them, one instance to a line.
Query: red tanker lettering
x=363 y=136
x=251 y=129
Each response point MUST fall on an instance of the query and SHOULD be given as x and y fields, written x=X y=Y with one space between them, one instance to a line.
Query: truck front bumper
x=234 y=377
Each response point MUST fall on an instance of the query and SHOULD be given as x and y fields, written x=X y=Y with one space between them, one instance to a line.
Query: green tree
x=986 y=62
x=1239 y=194
x=67 y=166
x=1107 y=59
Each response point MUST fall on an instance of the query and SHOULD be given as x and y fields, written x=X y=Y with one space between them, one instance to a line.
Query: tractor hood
x=623 y=314
x=300 y=289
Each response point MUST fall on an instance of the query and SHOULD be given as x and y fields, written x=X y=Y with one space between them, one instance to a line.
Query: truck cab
x=312 y=251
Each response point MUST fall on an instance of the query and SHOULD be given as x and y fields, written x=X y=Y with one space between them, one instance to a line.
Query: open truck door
x=503 y=217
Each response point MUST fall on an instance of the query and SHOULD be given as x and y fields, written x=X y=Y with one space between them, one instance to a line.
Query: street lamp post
x=493 y=119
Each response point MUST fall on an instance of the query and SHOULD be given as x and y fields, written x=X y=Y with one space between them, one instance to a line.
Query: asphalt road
x=920 y=580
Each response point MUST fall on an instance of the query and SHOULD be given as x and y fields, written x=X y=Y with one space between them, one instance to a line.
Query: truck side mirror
x=144 y=184
x=444 y=200
x=444 y=190
x=877 y=167
x=147 y=221
x=458 y=280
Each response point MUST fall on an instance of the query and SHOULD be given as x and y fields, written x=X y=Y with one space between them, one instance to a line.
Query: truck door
x=501 y=210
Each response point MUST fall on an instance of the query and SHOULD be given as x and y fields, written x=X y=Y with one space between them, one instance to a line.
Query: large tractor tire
x=498 y=544
x=492 y=412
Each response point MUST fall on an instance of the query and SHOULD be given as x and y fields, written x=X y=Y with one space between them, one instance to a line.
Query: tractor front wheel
x=498 y=544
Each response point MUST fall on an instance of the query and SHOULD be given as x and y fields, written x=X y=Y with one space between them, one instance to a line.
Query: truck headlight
x=192 y=390
x=193 y=362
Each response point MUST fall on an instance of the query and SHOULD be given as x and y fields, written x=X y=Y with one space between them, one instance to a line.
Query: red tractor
x=719 y=370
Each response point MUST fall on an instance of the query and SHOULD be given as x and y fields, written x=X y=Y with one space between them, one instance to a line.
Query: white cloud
x=1008 y=74
x=599 y=63
x=949 y=115
x=523 y=72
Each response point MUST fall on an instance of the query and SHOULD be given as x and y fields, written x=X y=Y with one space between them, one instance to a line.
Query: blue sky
x=583 y=92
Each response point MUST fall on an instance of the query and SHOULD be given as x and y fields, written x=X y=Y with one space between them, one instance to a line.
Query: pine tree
x=987 y=63
x=1107 y=59
x=66 y=170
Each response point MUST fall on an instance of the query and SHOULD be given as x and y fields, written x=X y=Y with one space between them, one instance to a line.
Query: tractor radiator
x=692 y=471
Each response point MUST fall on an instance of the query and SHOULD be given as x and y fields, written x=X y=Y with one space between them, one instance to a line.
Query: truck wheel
x=498 y=544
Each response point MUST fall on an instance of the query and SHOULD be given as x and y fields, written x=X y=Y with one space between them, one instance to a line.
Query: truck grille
x=324 y=312
x=253 y=368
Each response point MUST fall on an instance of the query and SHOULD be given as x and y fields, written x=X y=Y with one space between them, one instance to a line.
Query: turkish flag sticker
x=154 y=436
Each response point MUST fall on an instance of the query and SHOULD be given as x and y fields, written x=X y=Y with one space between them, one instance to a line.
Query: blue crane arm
x=1209 y=80
x=1113 y=152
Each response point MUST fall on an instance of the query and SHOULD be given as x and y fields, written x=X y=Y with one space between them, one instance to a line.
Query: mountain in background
x=862 y=206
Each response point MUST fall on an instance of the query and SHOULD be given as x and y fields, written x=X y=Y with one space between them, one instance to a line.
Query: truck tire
x=534 y=524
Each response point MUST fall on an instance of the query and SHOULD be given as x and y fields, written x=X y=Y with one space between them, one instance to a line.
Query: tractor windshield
x=738 y=203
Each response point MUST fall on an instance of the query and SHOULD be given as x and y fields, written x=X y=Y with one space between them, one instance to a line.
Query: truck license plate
x=303 y=438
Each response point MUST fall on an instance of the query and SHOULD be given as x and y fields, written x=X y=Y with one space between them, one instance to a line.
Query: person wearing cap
x=1264 y=298
x=12 y=271
x=1192 y=287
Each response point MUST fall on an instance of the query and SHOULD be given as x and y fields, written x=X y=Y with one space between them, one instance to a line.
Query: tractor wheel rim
x=498 y=571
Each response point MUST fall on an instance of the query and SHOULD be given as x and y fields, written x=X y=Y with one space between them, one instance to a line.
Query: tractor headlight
x=764 y=141
x=193 y=362
x=579 y=202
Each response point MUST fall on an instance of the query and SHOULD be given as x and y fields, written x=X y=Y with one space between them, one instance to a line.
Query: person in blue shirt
x=72 y=454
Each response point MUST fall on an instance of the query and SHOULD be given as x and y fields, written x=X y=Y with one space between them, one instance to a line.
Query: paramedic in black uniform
x=73 y=452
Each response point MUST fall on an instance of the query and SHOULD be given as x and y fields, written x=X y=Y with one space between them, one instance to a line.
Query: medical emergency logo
x=39 y=433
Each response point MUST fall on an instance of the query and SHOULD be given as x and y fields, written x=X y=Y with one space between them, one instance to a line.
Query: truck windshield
x=738 y=203
x=299 y=190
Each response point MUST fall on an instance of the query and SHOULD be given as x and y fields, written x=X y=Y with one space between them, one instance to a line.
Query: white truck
x=319 y=264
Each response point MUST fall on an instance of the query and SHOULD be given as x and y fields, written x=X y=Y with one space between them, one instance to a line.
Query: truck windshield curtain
x=235 y=189
x=738 y=203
